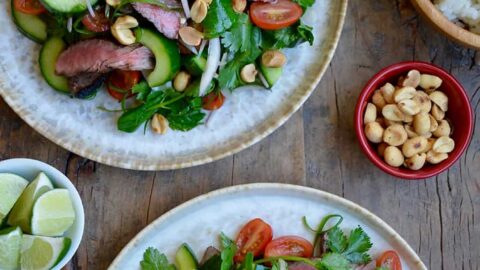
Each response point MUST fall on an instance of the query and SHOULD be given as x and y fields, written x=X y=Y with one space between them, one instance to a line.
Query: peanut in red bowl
x=459 y=113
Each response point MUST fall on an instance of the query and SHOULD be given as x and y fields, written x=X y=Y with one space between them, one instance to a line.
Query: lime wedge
x=22 y=210
x=53 y=213
x=10 y=243
x=11 y=186
x=39 y=253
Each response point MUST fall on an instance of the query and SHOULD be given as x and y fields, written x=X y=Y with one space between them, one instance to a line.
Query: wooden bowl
x=440 y=22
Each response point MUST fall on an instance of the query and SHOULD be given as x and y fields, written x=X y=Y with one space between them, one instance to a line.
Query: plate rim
x=195 y=159
x=369 y=216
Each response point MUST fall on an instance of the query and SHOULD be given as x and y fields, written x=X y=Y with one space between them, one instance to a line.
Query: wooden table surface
x=439 y=217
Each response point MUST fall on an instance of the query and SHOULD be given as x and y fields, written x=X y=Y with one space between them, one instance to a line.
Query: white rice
x=465 y=11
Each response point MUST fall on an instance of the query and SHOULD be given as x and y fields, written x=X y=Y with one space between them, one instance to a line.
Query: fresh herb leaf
x=337 y=241
x=279 y=265
x=247 y=263
x=229 y=76
x=229 y=249
x=358 y=245
x=334 y=261
x=243 y=35
x=153 y=260
x=288 y=37
x=305 y=3
x=187 y=118
x=220 y=17
x=142 y=89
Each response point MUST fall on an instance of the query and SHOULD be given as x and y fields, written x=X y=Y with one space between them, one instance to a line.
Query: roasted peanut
x=393 y=156
x=412 y=79
x=181 y=81
x=433 y=123
x=387 y=91
x=121 y=29
x=374 y=132
x=410 y=132
x=239 y=5
x=430 y=82
x=423 y=100
x=440 y=99
x=444 y=144
x=199 y=11
x=248 y=73
x=190 y=35
x=435 y=158
x=430 y=142
x=370 y=114
x=273 y=59
x=392 y=112
x=416 y=162
x=407 y=118
x=404 y=93
x=113 y=3
x=159 y=124
x=443 y=129
x=381 y=149
x=378 y=100
x=421 y=123
x=414 y=146
x=395 y=135
x=381 y=121
x=409 y=107
x=437 y=113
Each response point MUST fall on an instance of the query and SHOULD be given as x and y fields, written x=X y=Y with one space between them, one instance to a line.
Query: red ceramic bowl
x=459 y=113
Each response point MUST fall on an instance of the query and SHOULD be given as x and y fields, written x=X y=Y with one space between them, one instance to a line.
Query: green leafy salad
x=166 y=62
x=255 y=249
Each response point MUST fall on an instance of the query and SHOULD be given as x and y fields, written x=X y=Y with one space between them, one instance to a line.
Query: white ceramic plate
x=199 y=222
x=249 y=114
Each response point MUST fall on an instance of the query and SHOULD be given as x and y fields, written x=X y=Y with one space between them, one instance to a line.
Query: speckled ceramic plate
x=248 y=115
x=198 y=222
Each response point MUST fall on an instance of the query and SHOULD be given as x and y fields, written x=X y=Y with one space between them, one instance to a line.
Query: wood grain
x=440 y=217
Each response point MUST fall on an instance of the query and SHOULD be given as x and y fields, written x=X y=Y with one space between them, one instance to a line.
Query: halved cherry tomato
x=390 y=260
x=253 y=237
x=97 y=24
x=273 y=16
x=213 y=101
x=289 y=246
x=120 y=83
x=33 y=7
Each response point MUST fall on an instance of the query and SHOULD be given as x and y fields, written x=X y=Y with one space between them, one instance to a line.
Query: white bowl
x=28 y=169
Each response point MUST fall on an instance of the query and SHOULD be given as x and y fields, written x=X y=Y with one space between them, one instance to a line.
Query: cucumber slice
x=167 y=56
x=271 y=74
x=67 y=6
x=48 y=59
x=30 y=25
x=185 y=258
x=195 y=65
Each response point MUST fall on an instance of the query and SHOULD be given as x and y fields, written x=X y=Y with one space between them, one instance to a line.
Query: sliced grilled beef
x=166 y=21
x=209 y=253
x=84 y=85
x=300 y=266
x=101 y=56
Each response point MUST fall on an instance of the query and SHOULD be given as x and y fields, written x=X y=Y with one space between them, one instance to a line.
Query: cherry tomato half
x=97 y=24
x=289 y=246
x=120 y=83
x=253 y=237
x=33 y=7
x=390 y=260
x=213 y=101
x=273 y=16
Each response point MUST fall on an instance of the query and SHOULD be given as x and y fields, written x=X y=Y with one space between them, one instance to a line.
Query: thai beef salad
x=165 y=61
x=255 y=249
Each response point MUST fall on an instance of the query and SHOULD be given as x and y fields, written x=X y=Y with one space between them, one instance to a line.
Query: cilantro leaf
x=153 y=260
x=220 y=17
x=229 y=249
x=358 y=244
x=288 y=37
x=334 y=261
x=188 y=117
x=337 y=241
x=243 y=36
x=305 y=3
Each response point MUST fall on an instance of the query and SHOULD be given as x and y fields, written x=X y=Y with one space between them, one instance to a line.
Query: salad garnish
x=168 y=58
x=255 y=249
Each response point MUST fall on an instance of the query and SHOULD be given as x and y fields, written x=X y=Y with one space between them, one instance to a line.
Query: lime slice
x=11 y=186
x=10 y=243
x=22 y=210
x=39 y=253
x=53 y=213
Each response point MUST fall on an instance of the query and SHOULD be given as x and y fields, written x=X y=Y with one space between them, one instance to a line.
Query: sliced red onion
x=202 y=46
x=186 y=8
x=69 y=24
x=213 y=60
x=263 y=80
x=223 y=62
x=90 y=8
